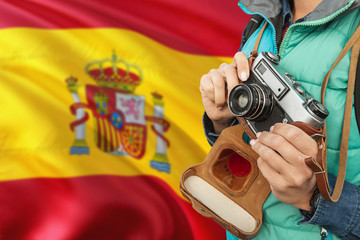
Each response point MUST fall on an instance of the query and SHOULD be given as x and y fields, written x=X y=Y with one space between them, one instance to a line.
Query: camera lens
x=243 y=100
x=251 y=101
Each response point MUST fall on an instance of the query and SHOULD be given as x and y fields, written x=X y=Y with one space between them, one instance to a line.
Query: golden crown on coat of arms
x=115 y=73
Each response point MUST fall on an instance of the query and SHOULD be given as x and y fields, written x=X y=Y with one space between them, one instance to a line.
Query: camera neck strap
x=254 y=52
x=319 y=166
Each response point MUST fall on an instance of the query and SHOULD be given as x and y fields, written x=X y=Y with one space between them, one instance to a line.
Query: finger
x=281 y=145
x=271 y=157
x=298 y=138
x=230 y=74
x=219 y=88
x=268 y=172
x=207 y=87
x=242 y=65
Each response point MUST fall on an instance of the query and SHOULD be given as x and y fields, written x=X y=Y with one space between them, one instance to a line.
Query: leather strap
x=319 y=166
x=254 y=52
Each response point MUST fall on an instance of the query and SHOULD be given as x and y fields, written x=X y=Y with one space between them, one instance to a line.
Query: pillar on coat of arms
x=160 y=160
x=79 y=145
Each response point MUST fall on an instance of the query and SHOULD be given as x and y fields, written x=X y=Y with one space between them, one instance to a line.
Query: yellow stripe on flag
x=35 y=102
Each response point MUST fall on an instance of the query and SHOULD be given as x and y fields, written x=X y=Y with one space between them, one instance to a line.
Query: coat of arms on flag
x=119 y=114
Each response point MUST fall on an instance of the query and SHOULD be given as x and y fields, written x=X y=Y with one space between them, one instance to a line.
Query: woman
x=308 y=35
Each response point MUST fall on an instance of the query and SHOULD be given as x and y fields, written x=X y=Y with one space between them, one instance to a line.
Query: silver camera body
x=271 y=95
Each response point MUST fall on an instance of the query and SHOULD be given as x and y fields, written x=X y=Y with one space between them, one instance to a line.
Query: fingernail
x=243 y=76
x=258 y=134
x=220 y=108
x=272 y=128
x=252 y=142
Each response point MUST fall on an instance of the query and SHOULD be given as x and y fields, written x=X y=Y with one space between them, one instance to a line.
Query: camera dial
x=317 y=109
x=275 y=58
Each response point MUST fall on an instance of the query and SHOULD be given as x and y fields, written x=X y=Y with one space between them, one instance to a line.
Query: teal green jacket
x=308 y=51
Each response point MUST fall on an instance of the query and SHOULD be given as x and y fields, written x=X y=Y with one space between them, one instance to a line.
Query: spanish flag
x=100 y=113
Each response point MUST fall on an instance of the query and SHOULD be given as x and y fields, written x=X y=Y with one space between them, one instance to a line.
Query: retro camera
x=271 y=95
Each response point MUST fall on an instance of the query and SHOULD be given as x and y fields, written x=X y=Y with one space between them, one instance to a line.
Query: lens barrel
x=251 y=101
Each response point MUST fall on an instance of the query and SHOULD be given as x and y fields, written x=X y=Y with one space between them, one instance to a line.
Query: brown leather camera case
x=217 y=190
x=232 y=201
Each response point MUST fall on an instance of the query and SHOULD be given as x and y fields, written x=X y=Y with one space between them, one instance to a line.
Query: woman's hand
x=217 y=84
x=282 y=154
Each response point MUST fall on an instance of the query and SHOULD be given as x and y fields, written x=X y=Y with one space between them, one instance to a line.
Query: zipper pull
x=323 y=233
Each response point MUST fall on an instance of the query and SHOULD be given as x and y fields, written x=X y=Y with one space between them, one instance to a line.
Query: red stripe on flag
x=198 y=27
x=99 y=207
x=99 y=132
